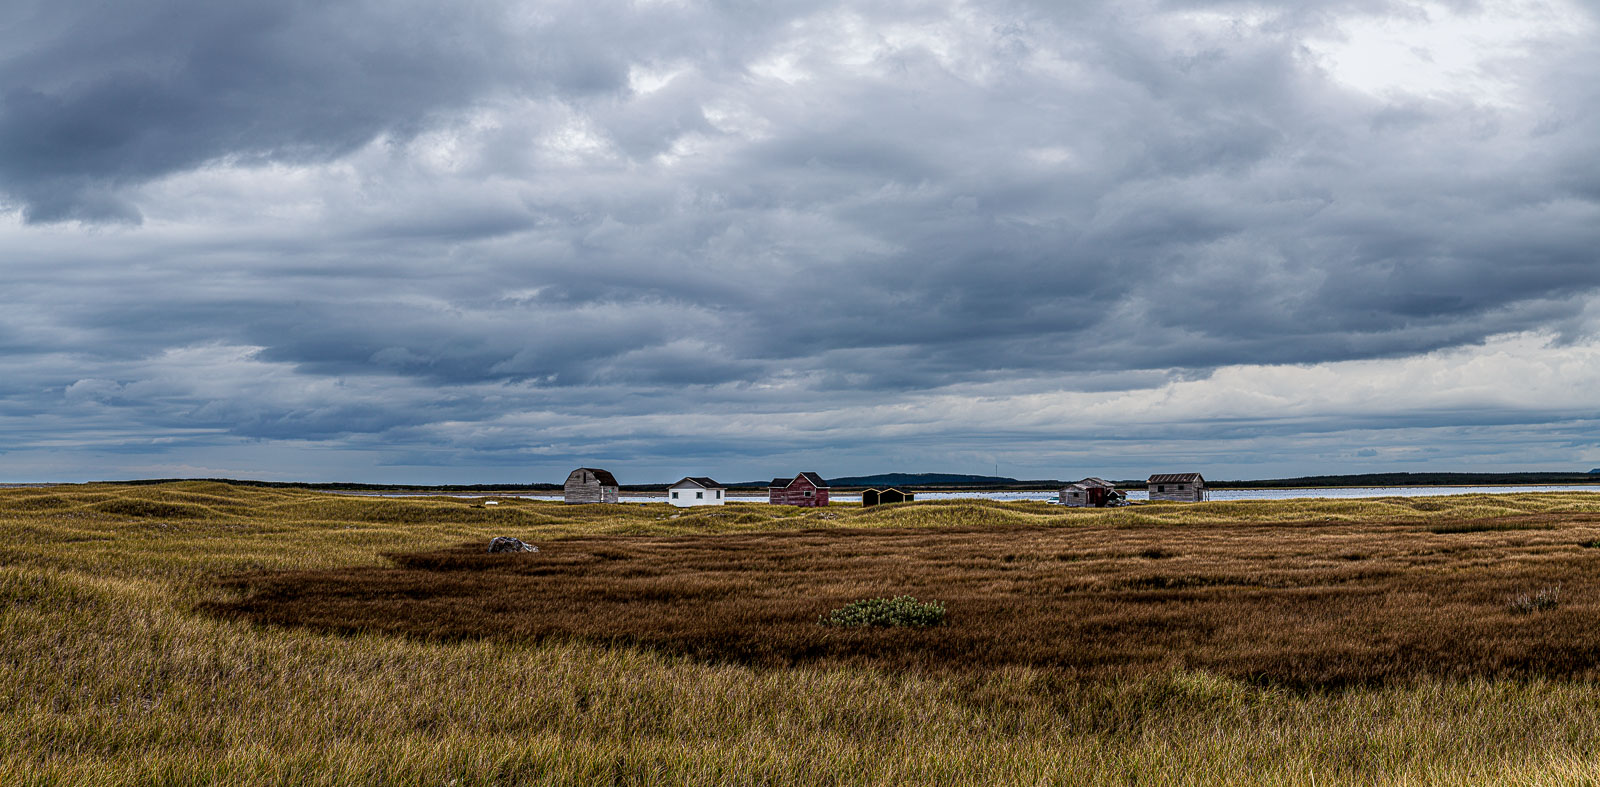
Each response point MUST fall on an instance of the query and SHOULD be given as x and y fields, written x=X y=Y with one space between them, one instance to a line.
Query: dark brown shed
x=873 y=497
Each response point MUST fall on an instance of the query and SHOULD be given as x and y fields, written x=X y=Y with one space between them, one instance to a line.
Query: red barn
x=807 y=489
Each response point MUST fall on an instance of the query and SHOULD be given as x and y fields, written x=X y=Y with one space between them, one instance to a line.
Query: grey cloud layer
x=636 y=209
x=102 y=95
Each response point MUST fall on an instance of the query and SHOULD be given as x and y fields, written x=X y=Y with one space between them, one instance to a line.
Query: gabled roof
x=1176 y=478
x=605 y=478
x=1096 y=481
x=816 y=481
x=698 y=480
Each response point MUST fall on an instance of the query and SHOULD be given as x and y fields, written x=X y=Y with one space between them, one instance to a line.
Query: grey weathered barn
x=1182 y=487
x=590 y=485
x=1090 y=492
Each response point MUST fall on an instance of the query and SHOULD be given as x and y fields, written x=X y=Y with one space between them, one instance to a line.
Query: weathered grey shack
x=1181 y=487
x=1090 y=492
x=590 y=485
x=875 y=497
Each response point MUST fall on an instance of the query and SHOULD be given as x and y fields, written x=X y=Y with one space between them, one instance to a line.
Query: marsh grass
x=1539 y=601
x=1489 y=526
x=1268 y=604
x=112 y=673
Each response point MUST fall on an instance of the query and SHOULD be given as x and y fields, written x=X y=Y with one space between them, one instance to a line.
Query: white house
x=697 y=491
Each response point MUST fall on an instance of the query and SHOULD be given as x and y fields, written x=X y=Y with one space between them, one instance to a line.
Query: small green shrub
x=897 y=611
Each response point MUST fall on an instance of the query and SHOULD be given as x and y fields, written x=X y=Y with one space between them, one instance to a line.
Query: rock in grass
x=509 y=544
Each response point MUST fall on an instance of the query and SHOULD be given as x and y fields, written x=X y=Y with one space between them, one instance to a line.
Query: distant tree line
x=949 y=481
x=1414 y=479
x=344 y=486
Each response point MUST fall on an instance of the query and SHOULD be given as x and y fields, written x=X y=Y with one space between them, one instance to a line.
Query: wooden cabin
x=697 y=491
x=1088 y=493
x=590 y=485
x=873 y=497
x=806 y=489
x=1181 y=487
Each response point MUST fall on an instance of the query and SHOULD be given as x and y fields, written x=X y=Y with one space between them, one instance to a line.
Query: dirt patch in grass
x=1307 y=605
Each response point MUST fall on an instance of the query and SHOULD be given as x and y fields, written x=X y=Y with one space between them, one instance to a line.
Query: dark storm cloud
x=363 y=221
x=107 y=94
x=101 y=95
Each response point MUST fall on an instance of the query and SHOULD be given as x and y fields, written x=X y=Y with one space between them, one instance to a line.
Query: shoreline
x=751 y=494
x=852 y=496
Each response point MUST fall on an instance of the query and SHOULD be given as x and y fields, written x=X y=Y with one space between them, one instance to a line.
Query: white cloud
x=1475 y=51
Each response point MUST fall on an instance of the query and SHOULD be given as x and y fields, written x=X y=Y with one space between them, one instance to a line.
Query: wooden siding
x=1074 y=496
x=1181 y=492
x=692 y=492
x=585 y=486
x=1089 y=493
x=796 y=494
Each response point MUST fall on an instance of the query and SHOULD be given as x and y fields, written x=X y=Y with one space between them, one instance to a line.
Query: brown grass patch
x=1308 y=605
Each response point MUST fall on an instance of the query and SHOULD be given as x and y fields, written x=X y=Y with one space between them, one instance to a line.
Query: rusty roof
x=1176 y=478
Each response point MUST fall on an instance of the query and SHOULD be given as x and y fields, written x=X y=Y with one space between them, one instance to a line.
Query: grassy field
x=199 y=633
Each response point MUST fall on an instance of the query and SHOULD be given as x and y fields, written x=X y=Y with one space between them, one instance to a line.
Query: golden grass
x=110 y=673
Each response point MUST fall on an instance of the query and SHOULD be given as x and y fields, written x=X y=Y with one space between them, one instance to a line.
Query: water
x=1139 y=494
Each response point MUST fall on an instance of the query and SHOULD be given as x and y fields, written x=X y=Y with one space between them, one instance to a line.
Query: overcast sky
x=483 y=241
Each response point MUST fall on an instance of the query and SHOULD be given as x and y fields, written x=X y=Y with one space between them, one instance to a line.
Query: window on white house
x=699 y=495
x=674 y=495
x=719 y=494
